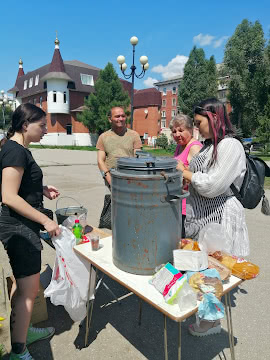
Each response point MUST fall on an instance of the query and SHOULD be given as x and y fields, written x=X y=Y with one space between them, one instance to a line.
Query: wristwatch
x=104 y=173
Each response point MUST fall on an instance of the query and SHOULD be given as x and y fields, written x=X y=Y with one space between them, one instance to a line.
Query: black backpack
x=252 y=189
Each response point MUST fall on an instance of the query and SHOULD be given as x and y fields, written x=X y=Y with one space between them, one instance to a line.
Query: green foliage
x=263 y=130
x=8 y=115
x=108 y=93
x=245 y=64
x=171 y=147
x=162 y=141
x=199 y=81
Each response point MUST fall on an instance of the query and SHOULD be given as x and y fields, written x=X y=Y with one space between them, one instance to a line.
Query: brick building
x=147 y=104
x=60 y=89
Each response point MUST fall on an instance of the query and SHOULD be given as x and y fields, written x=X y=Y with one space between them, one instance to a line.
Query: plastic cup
x=95 y=242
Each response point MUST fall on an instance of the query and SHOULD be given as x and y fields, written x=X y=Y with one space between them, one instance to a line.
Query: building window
x=174 y=102
x=40 y=101
x=173 y=113
x=45 y=85
x=87 y=79
x=164 y=91
x=163 y=114
x=65 y=97
x=25 y=85
x=36 y=79
x=69 y=129
x=54 y=96
x=174 y=90
x=163 y=102
x=86 y=97
x=30 y=82
x=163 y=123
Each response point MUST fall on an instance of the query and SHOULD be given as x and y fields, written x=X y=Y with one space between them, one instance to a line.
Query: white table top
x=138 y=284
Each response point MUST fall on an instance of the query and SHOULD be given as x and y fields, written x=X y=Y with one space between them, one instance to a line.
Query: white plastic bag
x=70 y=221
x=189 y=260
x=213 y=238
x=187 y=298
x=70 y=278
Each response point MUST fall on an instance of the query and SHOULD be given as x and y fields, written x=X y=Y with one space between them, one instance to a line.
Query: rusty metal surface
x=147 y=220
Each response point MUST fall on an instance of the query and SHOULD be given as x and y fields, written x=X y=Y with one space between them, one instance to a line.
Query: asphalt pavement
x=115 y=333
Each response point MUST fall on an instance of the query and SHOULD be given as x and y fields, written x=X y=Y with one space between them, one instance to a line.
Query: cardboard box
x=40 y=312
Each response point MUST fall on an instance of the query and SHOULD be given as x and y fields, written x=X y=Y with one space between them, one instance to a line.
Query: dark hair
x=218 y=120
x=24 y=113
x=113 y=107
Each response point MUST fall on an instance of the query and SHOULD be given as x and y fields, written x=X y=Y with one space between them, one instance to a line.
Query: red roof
x=20 y=73
x=57 y=64
x=147 y=97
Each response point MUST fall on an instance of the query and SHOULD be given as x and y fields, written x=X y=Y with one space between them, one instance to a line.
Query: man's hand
x=50 y=192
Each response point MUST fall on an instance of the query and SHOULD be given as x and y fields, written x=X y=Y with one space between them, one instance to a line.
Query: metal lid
x=147 y=162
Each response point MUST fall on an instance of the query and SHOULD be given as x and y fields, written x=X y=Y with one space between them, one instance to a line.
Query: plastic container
x=77 y=230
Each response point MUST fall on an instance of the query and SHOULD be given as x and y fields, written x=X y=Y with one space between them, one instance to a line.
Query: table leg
x=88 y=320
x=140 y=312
x=179 y=340
x=165 y=338
x=228 y=310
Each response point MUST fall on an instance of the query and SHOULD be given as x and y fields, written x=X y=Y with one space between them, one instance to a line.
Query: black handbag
x=105 y=220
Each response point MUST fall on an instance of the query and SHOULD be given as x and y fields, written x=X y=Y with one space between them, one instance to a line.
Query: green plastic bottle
x=77 y=231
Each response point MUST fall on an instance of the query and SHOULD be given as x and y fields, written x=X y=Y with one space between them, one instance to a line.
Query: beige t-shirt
x=116 y=146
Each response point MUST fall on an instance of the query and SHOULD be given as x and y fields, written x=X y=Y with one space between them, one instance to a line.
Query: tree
x=8 y=114
x=245 y=65
x=263 y=130
x=199 y=81
x=108 y=93
x=162 y=141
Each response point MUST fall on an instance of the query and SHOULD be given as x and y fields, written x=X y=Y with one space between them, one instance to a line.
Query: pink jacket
x=184 y=158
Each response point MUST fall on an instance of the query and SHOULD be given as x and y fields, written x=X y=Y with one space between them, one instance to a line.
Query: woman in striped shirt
x=220 y=163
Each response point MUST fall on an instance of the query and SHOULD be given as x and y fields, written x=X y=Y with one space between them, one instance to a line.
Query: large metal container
x=146 y=212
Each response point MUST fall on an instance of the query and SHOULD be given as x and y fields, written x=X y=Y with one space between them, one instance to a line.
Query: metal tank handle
x=69 y=197
x=167 y=177
x=173 y=198
x=141 y=153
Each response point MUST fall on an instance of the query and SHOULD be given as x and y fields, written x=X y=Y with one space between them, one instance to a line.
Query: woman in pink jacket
x=187 y=146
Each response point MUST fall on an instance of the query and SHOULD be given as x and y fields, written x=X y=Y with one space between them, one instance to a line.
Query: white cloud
x=220 y=41
x=149 y=82
x=203 y=40
x=173 y=68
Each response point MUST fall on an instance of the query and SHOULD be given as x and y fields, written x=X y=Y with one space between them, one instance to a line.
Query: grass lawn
x=267 y=183
x=71 y=147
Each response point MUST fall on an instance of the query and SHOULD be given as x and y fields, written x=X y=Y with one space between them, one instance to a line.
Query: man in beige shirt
x=117 y=142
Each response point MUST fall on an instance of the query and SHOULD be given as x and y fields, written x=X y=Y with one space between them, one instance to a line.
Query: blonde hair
x=181 y=119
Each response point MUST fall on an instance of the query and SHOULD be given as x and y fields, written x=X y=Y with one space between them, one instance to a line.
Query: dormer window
x=54 y=96
x=87 y=79
x=65 y=97
x=25 y=85
x=30 y=82
x=36 y=79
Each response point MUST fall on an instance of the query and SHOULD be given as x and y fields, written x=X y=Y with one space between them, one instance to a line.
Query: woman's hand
x=50 y=192
x=52 y=228
x=180 y=166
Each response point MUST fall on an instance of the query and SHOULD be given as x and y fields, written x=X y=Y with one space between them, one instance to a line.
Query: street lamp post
x=123 y=66
x=3 y=102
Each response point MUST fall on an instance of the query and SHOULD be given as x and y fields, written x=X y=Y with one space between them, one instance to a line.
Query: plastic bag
x=70 y=278
x=187 y=298
x=210 y=308
x=214 y=238
x=239 y=266
x=70 y=221
x=188 y=260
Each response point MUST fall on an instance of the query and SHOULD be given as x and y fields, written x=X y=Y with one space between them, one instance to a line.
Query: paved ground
x=115 y=333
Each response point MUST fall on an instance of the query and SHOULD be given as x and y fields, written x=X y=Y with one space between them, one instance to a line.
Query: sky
x=96 y=32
